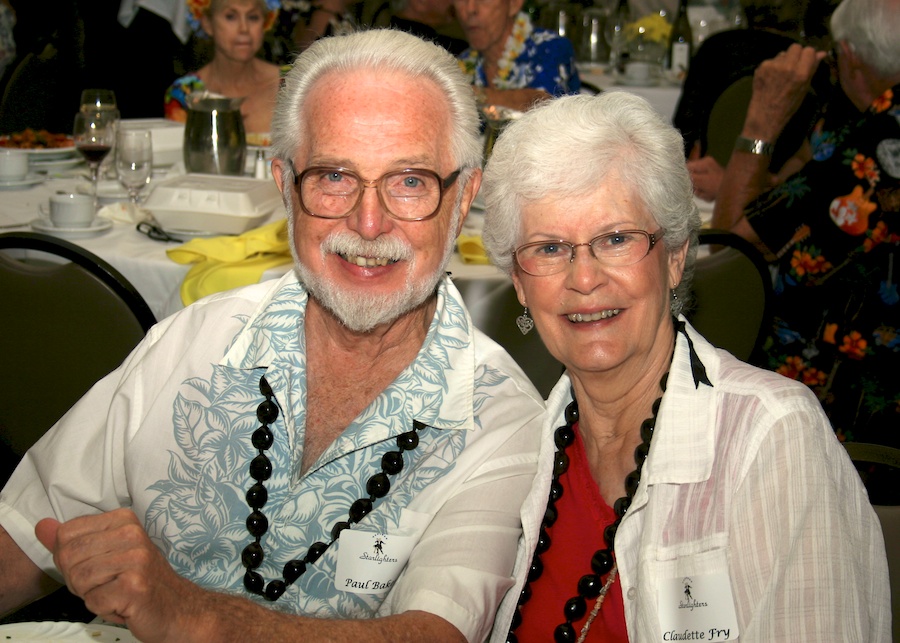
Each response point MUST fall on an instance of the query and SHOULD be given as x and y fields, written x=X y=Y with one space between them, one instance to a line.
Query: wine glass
x=98 y=100
x=134 y=160
x=95 y=134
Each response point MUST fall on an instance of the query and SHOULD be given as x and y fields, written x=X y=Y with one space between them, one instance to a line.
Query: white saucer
x=55 y=165
x=187 y=235
x=28 y=181
x=98 y=227
x=107 y=191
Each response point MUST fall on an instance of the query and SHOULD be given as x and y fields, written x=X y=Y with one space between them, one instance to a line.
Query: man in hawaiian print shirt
x=510 y=62
x=335 y=455
x=832 y=230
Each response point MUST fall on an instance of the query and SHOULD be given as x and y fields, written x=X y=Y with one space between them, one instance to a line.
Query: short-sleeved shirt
x=534 y=57
x=168 y=434
x=834 y=228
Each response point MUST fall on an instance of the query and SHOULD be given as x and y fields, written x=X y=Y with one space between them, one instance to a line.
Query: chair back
x=879 y=466
x=63 y=326
x=731 y=292
x=726 y=120
x=494 y=308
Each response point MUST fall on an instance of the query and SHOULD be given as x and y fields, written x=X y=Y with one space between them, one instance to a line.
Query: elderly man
x=832 y=229
x=511 y=62
x=342 y=446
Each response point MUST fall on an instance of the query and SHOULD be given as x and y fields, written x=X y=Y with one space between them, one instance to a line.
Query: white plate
x=62 y=631
x=98 y=227
x=53 y=153
x=624 y=81
x=186 y=235
x=28 y=181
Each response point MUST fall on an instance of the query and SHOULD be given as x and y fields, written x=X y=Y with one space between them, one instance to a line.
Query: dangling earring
x=525 y=322
x=674 y=295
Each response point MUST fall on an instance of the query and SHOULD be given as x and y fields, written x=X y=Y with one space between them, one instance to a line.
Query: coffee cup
x=71 y=210
x=13 y=165
x=638 y=72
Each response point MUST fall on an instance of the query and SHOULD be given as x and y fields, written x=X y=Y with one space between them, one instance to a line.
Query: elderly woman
x=511 y=62
x=236 y=71
x=691 y=496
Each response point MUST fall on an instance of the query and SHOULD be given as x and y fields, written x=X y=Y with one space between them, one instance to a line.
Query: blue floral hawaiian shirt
x=169 y=435
x=541 y=59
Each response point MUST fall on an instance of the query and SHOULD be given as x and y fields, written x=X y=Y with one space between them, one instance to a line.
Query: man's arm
x=779 y=87
x=110 y=562
x=23 y=581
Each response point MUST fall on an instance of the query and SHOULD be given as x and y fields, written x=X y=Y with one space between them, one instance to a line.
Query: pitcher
x=214 y=137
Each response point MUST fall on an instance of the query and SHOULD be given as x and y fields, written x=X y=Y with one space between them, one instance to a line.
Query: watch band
x=754 y=146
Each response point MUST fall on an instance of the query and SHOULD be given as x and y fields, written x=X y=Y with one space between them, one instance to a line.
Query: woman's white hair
x=872 y=27
x=378 y=49
x=569 y=146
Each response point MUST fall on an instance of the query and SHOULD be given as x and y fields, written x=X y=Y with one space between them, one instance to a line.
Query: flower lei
x=515 y=45
x=197 y=8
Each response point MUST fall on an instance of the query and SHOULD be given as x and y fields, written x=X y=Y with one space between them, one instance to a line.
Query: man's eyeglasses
x=407 y=195
x=614 y=249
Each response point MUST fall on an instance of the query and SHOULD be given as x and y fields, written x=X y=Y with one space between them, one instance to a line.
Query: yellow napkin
x=471 y=249
x=222 y=263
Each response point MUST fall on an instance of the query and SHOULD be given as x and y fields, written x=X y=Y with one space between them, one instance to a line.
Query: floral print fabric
x=533 y=57
x=835 y=229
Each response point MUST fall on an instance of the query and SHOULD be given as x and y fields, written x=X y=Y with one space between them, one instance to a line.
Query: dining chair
x=68 y=318
x=730 y=294
x=879 y=467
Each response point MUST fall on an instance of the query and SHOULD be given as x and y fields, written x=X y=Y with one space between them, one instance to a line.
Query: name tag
x=697 y=608
x=370 y=562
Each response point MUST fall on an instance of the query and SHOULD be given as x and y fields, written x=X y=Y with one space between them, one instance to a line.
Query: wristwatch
x=754 y=146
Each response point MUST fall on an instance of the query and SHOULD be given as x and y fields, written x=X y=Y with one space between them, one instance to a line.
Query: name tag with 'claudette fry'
x=697 y=608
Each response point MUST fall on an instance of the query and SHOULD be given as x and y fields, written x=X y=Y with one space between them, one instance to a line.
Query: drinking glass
x=134 y=160
x=98 y=100
x=95 y=134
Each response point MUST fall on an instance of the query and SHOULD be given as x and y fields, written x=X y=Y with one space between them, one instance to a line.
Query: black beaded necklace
x=257 y=495
x=590 y=586
x=602 y=562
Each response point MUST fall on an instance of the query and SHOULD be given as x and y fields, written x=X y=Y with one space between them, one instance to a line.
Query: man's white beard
x=361 y=311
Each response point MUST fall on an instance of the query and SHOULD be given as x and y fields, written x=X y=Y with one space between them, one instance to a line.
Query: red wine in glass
x=94 y=153
x=94 y=134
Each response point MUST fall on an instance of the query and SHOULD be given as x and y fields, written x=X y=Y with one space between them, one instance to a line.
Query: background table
x=663 y=97
x=144 y=262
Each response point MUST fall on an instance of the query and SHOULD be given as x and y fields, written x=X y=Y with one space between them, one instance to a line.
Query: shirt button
x=632 y=593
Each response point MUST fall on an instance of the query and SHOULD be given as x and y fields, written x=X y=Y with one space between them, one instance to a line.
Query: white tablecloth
x=663 y=97
x=144 y=262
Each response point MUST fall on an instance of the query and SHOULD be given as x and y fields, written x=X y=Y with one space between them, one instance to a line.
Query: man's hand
x=109 y=561
x=780 y=85
x=706 y=175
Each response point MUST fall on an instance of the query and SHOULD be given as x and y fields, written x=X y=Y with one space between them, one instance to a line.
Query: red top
x=575 y=536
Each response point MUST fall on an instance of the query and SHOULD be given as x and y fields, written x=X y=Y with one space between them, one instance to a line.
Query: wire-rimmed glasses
x=408 y=195
x=614 y=249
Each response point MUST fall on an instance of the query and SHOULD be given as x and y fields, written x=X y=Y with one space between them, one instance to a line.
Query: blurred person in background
x=510 y=61
x=832 y=230
x=236 y=28
x=428 y=19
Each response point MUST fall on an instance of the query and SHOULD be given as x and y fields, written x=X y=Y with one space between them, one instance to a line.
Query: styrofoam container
x=213 y=203
x=167 y=137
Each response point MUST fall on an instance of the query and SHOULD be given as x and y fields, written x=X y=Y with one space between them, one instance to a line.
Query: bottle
x=680 y=43
x=616 y=38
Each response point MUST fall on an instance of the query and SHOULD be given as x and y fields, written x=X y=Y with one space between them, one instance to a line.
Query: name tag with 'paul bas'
x=369 y=562
x=697 y=608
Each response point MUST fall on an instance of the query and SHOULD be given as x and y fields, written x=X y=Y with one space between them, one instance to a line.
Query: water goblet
x=94 y=134
x=134 y=161
x=98 y=100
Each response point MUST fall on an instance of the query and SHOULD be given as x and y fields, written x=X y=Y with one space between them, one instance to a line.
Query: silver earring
x=525 y=322
x=674 y=295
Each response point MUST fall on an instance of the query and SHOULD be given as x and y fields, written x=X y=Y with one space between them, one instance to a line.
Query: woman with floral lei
x=510 y=61
x=236 y=28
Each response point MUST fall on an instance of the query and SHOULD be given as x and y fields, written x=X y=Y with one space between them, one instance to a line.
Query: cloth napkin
x=222 y=263
x=471 y=249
